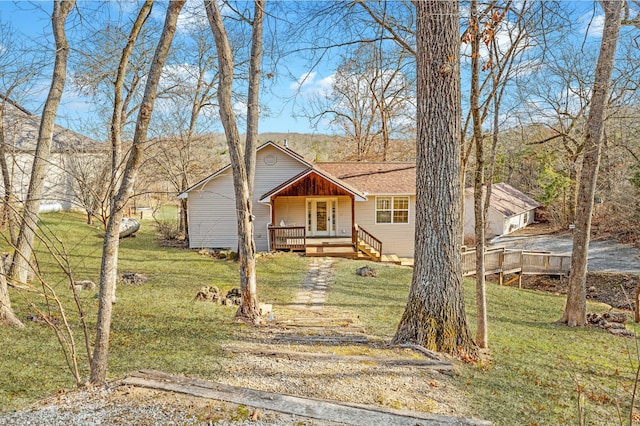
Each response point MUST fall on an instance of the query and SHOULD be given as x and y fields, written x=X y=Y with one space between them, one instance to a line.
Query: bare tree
x=434 y=316
x=181 y=144
x=108 y=269
x=575 y=312
x=89 y=173
x=242 y=160
x=20 y=266
x=371 y=100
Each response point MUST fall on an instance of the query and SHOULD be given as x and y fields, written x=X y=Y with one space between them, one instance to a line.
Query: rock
x=265 y=310
x=592 y=289
x=133 y=278
x=43 y=319
x=208 y=294
x=227 y=254
x=366 y=271
x=85 y=285
x=233 y=297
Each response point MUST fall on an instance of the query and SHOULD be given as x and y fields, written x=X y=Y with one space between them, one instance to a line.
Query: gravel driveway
x=604 y=256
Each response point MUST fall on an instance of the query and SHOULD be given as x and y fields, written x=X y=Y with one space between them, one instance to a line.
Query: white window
x=392 y=209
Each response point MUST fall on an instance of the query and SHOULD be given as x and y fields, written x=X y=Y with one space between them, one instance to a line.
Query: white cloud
x=310 y=85
x=592 y=25
x=304 y=80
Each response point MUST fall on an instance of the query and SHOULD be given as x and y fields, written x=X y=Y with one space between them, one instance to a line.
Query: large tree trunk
x=575 y=311
x=242 y=163
x=108 y=271
x=21 y=259
x=434 y=316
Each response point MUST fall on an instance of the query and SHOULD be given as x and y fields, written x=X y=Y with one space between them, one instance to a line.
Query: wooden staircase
x=368 y=246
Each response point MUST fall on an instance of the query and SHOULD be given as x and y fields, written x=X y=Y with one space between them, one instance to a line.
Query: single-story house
x=298 y=203
x=509 y=210
x=348 y=208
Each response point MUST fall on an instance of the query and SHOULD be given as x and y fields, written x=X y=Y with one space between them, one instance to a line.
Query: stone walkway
x=313 y=293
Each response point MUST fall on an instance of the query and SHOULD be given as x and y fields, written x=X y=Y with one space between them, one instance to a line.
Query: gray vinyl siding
x=212 y=212
x=397 y=238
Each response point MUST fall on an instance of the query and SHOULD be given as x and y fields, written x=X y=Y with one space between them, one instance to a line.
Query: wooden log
x=620 y=317
x=621 y=332
x=350 y=414
x=315 y=356
x=420 y=349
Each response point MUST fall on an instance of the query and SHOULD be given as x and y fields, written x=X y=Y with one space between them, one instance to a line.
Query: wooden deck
x=360 y=244
x=520 y=262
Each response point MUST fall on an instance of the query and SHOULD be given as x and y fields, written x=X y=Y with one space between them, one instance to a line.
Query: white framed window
x=392 y=209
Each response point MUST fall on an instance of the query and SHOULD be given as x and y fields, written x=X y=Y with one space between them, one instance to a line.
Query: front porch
x=361 y=244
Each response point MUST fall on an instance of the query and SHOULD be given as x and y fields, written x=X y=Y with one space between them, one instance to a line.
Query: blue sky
x=285 y=97
x=282 y=97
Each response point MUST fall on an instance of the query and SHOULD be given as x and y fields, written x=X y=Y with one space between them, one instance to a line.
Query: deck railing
x=287 y=237
x=501 y=261
x=368 y=238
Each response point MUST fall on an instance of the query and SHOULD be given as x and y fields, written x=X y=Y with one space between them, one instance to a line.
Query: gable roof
x=21 y=129
x=357 y=178
x=314 y=170
x=218 y=172
x=376 y=178
x=508 y=200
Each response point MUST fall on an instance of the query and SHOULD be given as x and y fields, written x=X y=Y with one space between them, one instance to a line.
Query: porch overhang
x=313 y=182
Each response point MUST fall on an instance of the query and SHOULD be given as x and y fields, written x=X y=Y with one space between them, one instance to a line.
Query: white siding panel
x=397 y=238
x=290 y=210
x=212 y=215
x=343 y=228
x=270 y=175
x=212 y=212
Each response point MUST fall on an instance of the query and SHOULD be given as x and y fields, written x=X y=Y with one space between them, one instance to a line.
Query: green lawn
x=536 y=368
x=157 y=325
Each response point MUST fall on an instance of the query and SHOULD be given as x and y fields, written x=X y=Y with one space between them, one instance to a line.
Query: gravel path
x=308 y=324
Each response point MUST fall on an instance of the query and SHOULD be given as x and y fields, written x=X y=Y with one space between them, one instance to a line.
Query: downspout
x=268 y=225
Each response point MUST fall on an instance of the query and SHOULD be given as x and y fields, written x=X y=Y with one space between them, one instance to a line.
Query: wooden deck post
x=353 y=220
x=273 y=211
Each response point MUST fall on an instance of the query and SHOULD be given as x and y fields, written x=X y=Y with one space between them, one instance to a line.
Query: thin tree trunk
x=117 y=121
x=434 y=316
x=108 y=270
x=242 y=167
x=478 y=181
x=21 y=259
x=7 y=316
x=8 y=207
x=575 y=311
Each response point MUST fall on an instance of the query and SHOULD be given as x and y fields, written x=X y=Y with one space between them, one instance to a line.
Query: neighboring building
x=302 y=205
x=509 y=210
x=69 y=151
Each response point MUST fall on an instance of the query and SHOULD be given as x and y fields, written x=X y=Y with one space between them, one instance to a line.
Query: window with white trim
x=392 y=209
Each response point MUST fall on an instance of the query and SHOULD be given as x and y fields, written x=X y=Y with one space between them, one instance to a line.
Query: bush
x=168 y=229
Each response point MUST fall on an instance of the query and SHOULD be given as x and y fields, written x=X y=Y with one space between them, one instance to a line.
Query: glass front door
x=321 y=217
